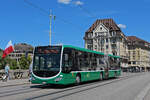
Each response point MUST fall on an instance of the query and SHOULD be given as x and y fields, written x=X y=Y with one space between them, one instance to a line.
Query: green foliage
x=25 y=62
x=13 y=64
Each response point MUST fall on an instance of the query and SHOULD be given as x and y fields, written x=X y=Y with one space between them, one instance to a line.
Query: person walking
x=7 y=71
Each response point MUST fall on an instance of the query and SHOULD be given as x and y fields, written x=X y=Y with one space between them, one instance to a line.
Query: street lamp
x=50 y=32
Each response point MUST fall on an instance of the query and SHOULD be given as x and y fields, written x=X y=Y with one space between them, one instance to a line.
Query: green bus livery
x=66 y=64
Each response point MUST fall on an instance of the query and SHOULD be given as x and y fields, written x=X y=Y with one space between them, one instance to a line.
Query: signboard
x=48 y=49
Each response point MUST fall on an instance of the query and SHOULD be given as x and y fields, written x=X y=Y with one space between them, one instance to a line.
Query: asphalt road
x=127 y=87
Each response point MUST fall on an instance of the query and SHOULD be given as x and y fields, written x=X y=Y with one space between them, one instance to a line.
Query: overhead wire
x=87 y=12
x=37 y=7
x=47 y=13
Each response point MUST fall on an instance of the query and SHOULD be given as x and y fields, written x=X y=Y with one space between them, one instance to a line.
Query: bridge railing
x=16 y=74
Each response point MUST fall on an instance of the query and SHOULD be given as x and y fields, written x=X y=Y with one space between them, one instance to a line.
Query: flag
x=9 y=48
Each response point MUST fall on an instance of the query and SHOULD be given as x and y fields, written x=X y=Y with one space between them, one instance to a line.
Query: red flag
x=9 y=48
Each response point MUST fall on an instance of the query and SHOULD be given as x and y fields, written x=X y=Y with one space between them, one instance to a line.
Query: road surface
x=127 y=87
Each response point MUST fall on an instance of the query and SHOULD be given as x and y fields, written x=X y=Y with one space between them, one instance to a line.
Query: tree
x=13 y=64
x=25 y=62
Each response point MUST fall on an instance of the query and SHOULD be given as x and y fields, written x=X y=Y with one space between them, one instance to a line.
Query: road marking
x=143 y=93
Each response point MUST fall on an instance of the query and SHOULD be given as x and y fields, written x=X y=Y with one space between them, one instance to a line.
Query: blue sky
x=22 y=22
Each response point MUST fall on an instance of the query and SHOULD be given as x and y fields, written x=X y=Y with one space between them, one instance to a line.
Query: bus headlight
x=61 y=75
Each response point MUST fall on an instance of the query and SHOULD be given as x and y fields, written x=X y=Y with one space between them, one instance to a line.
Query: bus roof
x=87 y=50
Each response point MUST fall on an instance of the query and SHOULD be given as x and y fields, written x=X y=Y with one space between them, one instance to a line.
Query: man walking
x=7 y=70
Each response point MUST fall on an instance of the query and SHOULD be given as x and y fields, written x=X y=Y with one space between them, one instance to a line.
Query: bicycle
x=4 y=78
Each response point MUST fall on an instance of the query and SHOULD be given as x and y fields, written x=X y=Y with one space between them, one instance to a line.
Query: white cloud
x=64 y=1
x=78 y=3
x=121 y=25
x=70 y=2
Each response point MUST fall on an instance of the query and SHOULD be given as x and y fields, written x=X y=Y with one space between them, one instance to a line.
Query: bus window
x=86 y=60
x=42 y=63
x=36 y=63
x=67 y=58
x=77 y=61
x=114 y=63
x=101 y=62
x=82 y=60
x=46 y=61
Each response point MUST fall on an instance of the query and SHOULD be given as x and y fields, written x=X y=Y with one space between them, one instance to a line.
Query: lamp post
x=50 y=32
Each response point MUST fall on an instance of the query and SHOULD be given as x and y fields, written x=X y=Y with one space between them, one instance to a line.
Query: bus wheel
x=78 y=80
x=101 y=77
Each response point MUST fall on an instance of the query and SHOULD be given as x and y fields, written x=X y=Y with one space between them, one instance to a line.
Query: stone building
x=105 y=36
x=20 y=50
x=139 y=53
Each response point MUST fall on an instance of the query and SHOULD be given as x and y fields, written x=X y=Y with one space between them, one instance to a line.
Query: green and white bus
x=66 y=64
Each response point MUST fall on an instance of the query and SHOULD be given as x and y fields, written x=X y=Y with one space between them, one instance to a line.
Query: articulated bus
x=66 y=64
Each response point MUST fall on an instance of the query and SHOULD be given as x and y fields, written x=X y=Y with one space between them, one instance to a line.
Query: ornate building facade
x=105 y=36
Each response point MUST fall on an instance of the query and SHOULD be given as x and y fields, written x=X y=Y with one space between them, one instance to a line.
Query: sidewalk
x=14 y=82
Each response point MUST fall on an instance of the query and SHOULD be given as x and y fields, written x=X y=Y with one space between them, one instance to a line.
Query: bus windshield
x=46 y=61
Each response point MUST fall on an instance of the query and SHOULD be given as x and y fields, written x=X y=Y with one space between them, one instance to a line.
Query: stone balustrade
x=16 y=74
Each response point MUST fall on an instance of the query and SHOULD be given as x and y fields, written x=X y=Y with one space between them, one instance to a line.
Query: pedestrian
x=7 y=71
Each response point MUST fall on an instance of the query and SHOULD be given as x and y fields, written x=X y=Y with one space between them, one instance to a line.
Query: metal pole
x=50 y=32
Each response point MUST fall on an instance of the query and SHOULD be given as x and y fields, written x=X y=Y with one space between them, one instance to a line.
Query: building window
x=120 y=39
x=90 y=35
x=106 y=40
x=114 y=46
x=138 y=53
x=129 y=62
x=107 y=46
x=114 y=53
x=134 y=57
x=133 y=52
x=95 y=34
x=129 y=53
x=89 y=41
x=134 y=62
x=95 y=47
x=110 y=34
x=113 y=40
x=102 y=41
x=89 y=47
x=100 y=28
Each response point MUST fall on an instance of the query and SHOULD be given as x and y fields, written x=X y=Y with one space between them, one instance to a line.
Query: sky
x=27 y=21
